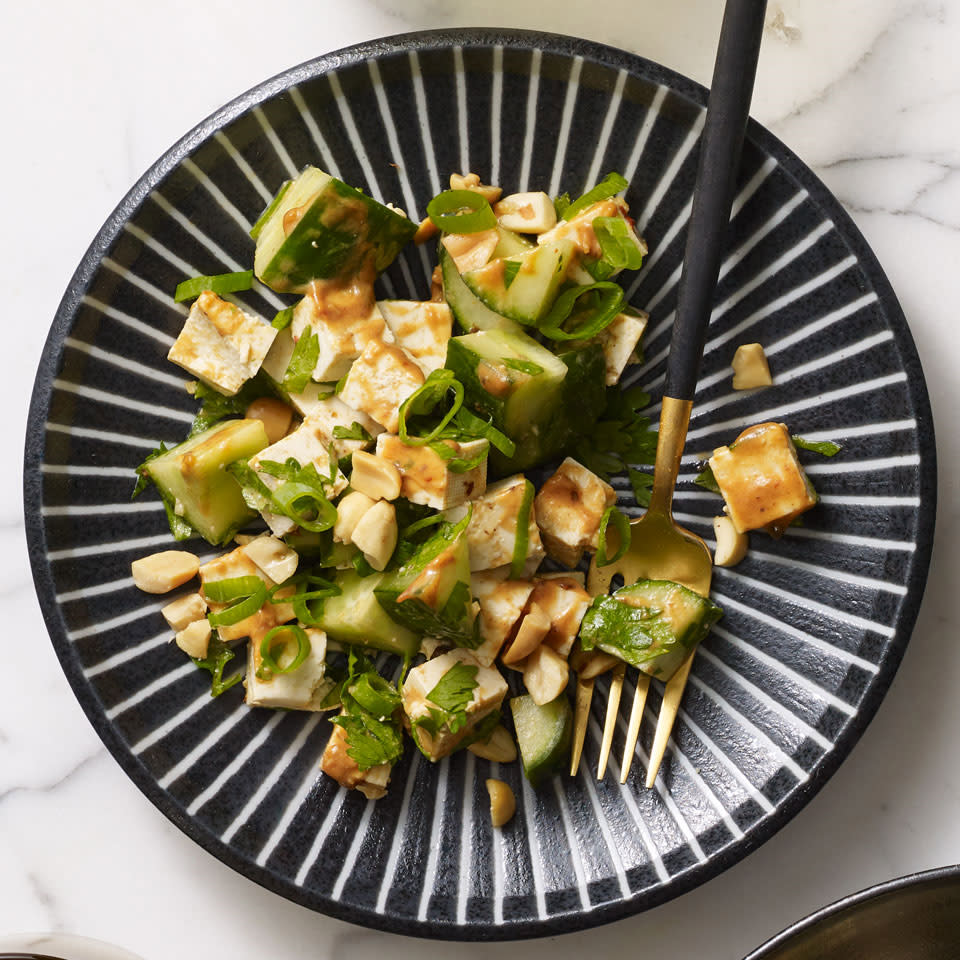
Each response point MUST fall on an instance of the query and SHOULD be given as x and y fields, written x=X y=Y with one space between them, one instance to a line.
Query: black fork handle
x=719 y=163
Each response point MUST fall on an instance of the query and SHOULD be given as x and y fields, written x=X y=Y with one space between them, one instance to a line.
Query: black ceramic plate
x=911 y=918
x=815 y=624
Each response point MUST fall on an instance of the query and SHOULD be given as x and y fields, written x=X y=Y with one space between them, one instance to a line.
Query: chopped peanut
x=164 y=571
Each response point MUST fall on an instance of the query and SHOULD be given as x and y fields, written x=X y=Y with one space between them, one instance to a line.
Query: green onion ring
x=434 y=385
x=373 y=693
x=267 y=659
x=289 y=497
x=622 y=525
x=446 y=210
x=598 y=319
x=246 y=595
x=218 y=283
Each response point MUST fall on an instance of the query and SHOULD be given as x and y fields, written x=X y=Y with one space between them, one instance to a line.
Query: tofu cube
x=302 y=689
x=337 y=763
x=470 y=251
x=502 y=603
x=761 y=479
x=532 y=212
x=492 y=532
x=238 y=564
x=619 y=341
x=379 y=381
x=565 y=601
x=221 y=344
x=425 y=477
x=344 y=318
x=569 y=508
x=421 y=328
x=331 y=412
x=487 y=696
x=309 y=443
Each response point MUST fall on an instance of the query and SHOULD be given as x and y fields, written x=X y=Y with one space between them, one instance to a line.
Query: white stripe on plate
x=222 y=200
x=461 y=85
x=436 y=828
x=82 y=470
x=250 y=747
x=843 y=576
x=118 y=400
x=241 y=162
x=856 y=540
x=326 y=156
x=466 y=835
x=240 y=711
x=782 y=411
x=158 y=733
x=350 y=859
x=643 y=135
x=573 y=845
x=496 y=108
x=275 y=142
x=321 y=836
x=104 y=436
x=861 y=500
x=272 y=778
x=593 y=175
x=807 y=603
x=533 y=843
x=131 y=616
x=101 y=509
x=122 y=584
x=393 y=857
x=773 y=663
x=151 y=688
x=423 y=116
x=95 y=549
x=131 y=653
x=290 y=811
x=823 y=646
x=566 y=117
x=162 y=296
x=863 y=466
x=132 y=322
x=533 y=90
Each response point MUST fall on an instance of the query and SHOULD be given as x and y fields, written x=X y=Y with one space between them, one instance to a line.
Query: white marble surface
x=866 y=91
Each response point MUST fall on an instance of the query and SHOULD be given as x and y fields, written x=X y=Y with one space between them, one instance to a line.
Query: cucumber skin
x=552 y=759
x=470 y=313
x=315 y=250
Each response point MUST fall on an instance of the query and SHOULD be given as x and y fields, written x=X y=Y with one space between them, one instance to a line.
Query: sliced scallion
x=608 y=299
x=622 y=526
x=245 y=596
x=375 y=694
x=522 y=536
x=461 y=211
x=218 y=283
x=283 y=319
x=424 y=400
x=305 y=505
x=610 y=185
x=270 y=662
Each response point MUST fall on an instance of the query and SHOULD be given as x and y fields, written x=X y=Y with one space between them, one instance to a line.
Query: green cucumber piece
x=510 y=244
x=193 y=479
x=543 y=735
x=527 y=294
x=430 y=593
x=337 y=230
x=355 y=617
x=468 y=311
x=651 y=624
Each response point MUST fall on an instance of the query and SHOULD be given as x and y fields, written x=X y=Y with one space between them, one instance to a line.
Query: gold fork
x=659 y=548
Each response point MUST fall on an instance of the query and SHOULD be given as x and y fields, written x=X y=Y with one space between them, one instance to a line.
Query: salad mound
x=391 y=448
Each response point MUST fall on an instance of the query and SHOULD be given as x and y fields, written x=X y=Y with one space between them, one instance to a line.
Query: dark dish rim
x=850 y=904
x=35 y=442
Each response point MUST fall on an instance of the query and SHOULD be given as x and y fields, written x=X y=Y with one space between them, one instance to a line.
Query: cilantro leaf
x=219 y=654
x=354 y=432
x=453 y=694
x=707 y=480
x=216 y=406
x=370 y=742
x=303 y=360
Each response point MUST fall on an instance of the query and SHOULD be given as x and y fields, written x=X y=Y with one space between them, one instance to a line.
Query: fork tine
x=581 y=716
x=668 y=713
x=610 y=723
x=633 y=731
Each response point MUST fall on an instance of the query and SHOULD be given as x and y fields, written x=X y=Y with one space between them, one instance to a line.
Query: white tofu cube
x=277 y=360
x=425 y=477
x=569 y=508
x=421 y=328
x=307 y=444
x=221 y=344
x=379 y=381
x=470 y=251
x=619 y=341
x=343 y=318
x=301 y=689
x=502 y=603
x=487 y=696
x=564 y=600
x=492 y=532
x=331 y=412
x=337 y=763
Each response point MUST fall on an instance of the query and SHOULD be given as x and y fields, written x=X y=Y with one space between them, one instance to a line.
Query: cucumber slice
x=430 y=593
x=355 y=617
x=321 y=229
x=523 y=287
x=543 y=735
x=651 y=624
x=469 y=312
x=193 y=479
